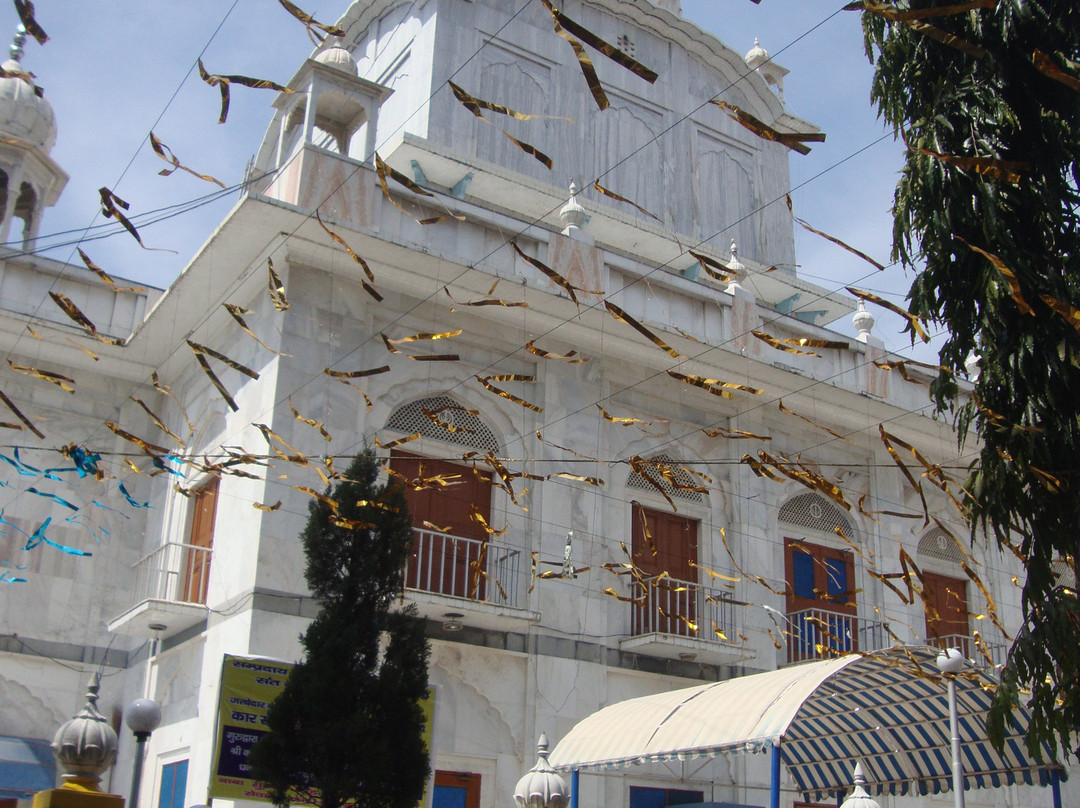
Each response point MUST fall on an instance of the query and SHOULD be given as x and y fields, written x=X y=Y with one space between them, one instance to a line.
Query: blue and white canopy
x=888 y=709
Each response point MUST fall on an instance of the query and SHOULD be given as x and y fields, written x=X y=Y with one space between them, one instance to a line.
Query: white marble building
x=202 y=573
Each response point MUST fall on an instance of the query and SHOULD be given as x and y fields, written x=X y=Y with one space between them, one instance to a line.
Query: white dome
x=24 y=114
x=337 y=57
x=756 y=55
x=542 y=786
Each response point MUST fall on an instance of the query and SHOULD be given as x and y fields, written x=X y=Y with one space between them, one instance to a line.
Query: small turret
x=30 y=180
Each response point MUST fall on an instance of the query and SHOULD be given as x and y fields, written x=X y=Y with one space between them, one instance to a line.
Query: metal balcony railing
x=464 y=568
x=684 y=608
x=982 y=652
x=821 y=634
x=175 y=572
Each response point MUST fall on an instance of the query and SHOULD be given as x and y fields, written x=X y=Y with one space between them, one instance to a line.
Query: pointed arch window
x=821 y=606
x=450 y=504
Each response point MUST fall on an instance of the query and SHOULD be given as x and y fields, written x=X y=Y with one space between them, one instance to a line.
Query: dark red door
x=449 y=553
x=669 y=603
x=946 y=608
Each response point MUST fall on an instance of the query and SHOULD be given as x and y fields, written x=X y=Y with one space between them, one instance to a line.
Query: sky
x=112 y=76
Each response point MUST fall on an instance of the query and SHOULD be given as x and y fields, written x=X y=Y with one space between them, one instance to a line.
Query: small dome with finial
x=572 y=215
x=735 y=265
x=756 y=56
x=337 y=57
x=24 y=113
x=542 y=786
x=85 y=746
x=859 y=797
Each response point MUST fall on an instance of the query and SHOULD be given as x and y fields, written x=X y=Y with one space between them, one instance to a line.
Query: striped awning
x=888 y=710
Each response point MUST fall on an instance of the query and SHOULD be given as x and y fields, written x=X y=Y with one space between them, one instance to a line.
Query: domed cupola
x=29 y=179
x=24 y=112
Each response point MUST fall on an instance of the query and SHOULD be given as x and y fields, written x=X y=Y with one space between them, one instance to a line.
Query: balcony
x=685 y=620
x=170 y=591
x=984 y=654
x=820 y=634
x=483 y=581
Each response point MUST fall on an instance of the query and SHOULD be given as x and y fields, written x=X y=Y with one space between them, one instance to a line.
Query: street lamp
x=950 y=662
x=142 y=717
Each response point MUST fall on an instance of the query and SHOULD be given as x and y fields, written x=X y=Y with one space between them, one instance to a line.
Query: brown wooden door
x=946 y=607
x=820 y=600
x=440 y=561
x=201 y=539
x=668 y=606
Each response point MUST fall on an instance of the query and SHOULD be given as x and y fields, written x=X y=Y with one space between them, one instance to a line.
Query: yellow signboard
x=248 y=686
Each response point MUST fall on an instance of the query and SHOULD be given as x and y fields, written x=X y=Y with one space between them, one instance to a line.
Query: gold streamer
x=511 y=377
x=105 y=276
x=915 y=322
x=842 y=244
x=166 y=154
x=277 y=288
x=793 y=140
x=568 y=358
x=223 y=82
x=555 y=276
x=146 y=446
x=18 y=414
x=623 y=317
x=714 y=386
x=356 y=374
x=202 y=349
x=158 y=422
x=310 y=421
x=835 y=434
x=360 y=261
x=612 y=195
x=60 y=380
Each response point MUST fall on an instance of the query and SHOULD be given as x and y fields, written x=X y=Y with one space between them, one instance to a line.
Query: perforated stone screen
x=468 y=429
x=938 y=544
x=816 y=513
x=1064 y=574
x=636 y=480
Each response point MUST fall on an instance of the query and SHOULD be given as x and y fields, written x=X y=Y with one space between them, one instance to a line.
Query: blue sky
x=113 y=76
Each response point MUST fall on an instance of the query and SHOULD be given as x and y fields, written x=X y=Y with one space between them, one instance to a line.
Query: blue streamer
x=7 y=578
x=53 y=497
x=17 y=465
x=75 y=521
x=45 y=473
x=85 y=461
x=9 y=524
x=129 y=498
x=39 y=536
x=107 y=508
x=159 y=463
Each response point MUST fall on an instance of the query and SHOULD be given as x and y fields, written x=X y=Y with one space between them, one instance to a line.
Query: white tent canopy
x=888 y=709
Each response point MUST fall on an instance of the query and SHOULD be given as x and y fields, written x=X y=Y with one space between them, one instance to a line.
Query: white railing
x=464 y=568
x=983 y=653
x=821 y=634
x=175 y=572
x=683 y=608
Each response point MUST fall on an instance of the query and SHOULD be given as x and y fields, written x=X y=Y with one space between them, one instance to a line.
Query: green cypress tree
x=348 y=726
x=987 y=96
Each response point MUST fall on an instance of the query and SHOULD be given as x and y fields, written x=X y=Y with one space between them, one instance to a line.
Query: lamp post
x=950 y=662
x=142 y=717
